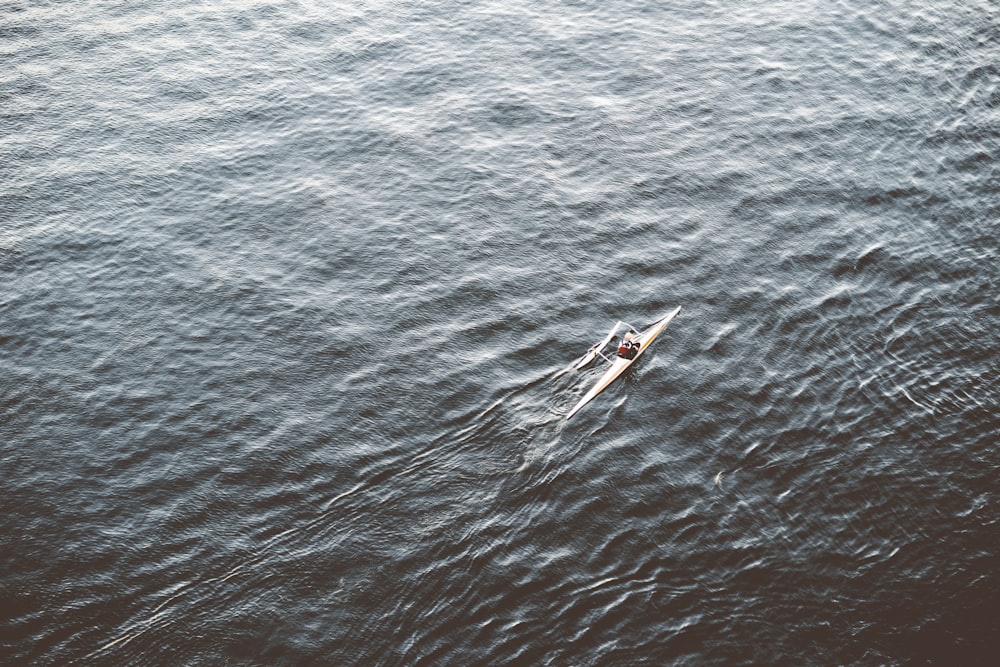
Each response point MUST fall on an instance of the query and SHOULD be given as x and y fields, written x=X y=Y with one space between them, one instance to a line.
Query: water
x=289 y=291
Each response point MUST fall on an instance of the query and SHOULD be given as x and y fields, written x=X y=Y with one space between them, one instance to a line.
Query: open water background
x=288 y=291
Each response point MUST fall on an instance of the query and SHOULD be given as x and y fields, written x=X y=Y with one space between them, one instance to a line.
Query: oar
x=592 y=353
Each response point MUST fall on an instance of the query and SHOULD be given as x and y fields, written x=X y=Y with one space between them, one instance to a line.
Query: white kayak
x=618 y=364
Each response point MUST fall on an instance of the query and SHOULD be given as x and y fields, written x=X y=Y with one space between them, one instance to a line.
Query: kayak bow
x=618 y=365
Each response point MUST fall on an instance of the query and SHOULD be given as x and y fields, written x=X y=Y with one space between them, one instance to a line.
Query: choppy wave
x=290 y=292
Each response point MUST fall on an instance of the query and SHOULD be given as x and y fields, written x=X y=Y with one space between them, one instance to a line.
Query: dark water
x=288 y=291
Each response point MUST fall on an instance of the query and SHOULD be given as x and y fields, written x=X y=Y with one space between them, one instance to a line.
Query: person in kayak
x=628 y=348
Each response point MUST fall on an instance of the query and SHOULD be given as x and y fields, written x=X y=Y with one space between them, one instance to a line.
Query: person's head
x=628 y=337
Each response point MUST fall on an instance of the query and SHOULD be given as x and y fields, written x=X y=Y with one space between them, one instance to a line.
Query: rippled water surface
x=289 y=292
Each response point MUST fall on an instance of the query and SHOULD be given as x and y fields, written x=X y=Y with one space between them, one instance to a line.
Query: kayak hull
x=619 y=365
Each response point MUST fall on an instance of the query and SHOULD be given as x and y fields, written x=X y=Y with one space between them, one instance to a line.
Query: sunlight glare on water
x=292 y=290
